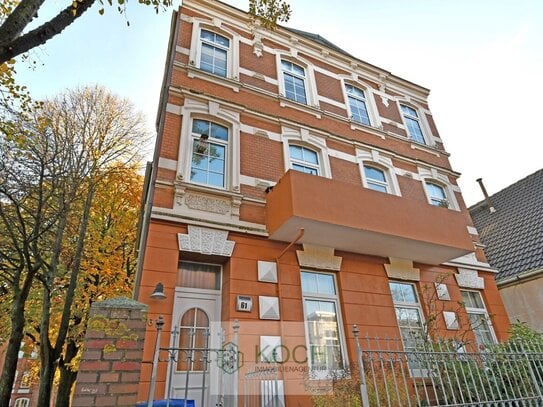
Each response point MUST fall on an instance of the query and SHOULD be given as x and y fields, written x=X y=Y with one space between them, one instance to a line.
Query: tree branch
x=44 y=33
x=19 y=18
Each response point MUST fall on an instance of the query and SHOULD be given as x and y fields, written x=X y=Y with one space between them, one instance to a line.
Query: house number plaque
x=244 y=303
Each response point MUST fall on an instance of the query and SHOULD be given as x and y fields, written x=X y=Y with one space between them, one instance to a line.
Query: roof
x=513 y=235
x=321 y=40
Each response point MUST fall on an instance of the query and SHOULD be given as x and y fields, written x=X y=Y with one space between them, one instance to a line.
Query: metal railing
x=448 y=373
x=262 y=387
x=183 y=359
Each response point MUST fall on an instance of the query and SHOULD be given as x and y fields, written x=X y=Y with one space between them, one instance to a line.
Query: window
x=437 y=195
x=304 y=160
x=408 y=313
x=25 y=380
x=294 y=80
x=412 y=121
x=209 y=144
x=22 y=402
x=376 y=179
x=214 y=53
x=322 y=323
x=478 y=318
x=193 y=333
x=199 y=275
x=357 y=104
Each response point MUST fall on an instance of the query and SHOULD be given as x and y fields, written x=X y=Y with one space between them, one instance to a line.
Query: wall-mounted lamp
x=158 y=293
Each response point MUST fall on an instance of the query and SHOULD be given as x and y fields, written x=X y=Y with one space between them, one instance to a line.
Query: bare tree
x=77 y=139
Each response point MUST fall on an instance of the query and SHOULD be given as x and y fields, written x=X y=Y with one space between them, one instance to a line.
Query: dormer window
x=357 y=105
x=214 y=53
x=412 y=122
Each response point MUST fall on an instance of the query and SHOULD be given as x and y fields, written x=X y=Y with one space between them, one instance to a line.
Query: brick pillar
x=109 y=372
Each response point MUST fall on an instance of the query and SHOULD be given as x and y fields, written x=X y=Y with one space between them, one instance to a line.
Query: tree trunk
x=47 y=356
x=67 y=375
x=12 y=352
x=47 y=374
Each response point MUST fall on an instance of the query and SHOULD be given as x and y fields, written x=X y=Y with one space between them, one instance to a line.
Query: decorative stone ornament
x=270 y=349
x=442 y=291
x=267 y=271
x=319 y=257
x=451 y=321
x=206 y=241
x=402 y=269
x=269 y=307
x=467 y=278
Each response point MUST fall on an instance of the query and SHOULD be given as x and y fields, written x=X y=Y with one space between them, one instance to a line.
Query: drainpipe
x=487 y=198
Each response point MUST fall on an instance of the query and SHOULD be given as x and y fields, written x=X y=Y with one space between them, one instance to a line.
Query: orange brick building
x=301 y=191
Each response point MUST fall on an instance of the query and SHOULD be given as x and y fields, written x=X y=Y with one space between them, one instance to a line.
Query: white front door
x=196 y=315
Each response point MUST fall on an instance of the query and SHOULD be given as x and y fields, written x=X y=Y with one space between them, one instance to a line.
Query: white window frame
x=419 y=119
x=210 y=141
x=296 y=76
x=364 y=100
x=215 y=45
x=232 y=64
x=442 y=202
x=375 y=159
x=211 y=111
x=324 y=374
x=481 y=312
x=25 y=380
x=302 y=137
x=372 y=181
x=408 y=305
x=302 y=163
x=432 y=176
x=22 y=402
x=415 y=371
x=310 y=83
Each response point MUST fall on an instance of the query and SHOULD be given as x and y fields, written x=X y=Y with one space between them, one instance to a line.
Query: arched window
x=437 y=195
x=193 y=340
x=209 y=153
x=22 y=402
x=357 y=104
x=413 y=124
x=294 y=80
x=214 y=53
x=376 y=179
x=304 y=159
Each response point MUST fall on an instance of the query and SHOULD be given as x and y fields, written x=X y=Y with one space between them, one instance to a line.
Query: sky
x=481 y=59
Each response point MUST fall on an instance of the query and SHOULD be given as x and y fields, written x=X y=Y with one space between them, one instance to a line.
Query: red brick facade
x=379 y=237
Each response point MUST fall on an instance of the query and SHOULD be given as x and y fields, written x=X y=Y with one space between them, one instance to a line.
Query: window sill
x=314 y=110
x=207 y=189
x=365 y=127
x=193 y=72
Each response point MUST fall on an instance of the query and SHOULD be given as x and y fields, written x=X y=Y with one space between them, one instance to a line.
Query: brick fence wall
x=109 y=372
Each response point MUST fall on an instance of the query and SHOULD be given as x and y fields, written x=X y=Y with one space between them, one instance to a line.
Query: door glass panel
x=198 y=275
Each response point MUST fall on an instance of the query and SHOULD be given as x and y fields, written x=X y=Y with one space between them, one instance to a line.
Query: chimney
x=487 y=199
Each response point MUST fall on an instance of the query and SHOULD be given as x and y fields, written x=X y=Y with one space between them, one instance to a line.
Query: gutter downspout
x=151 y=170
